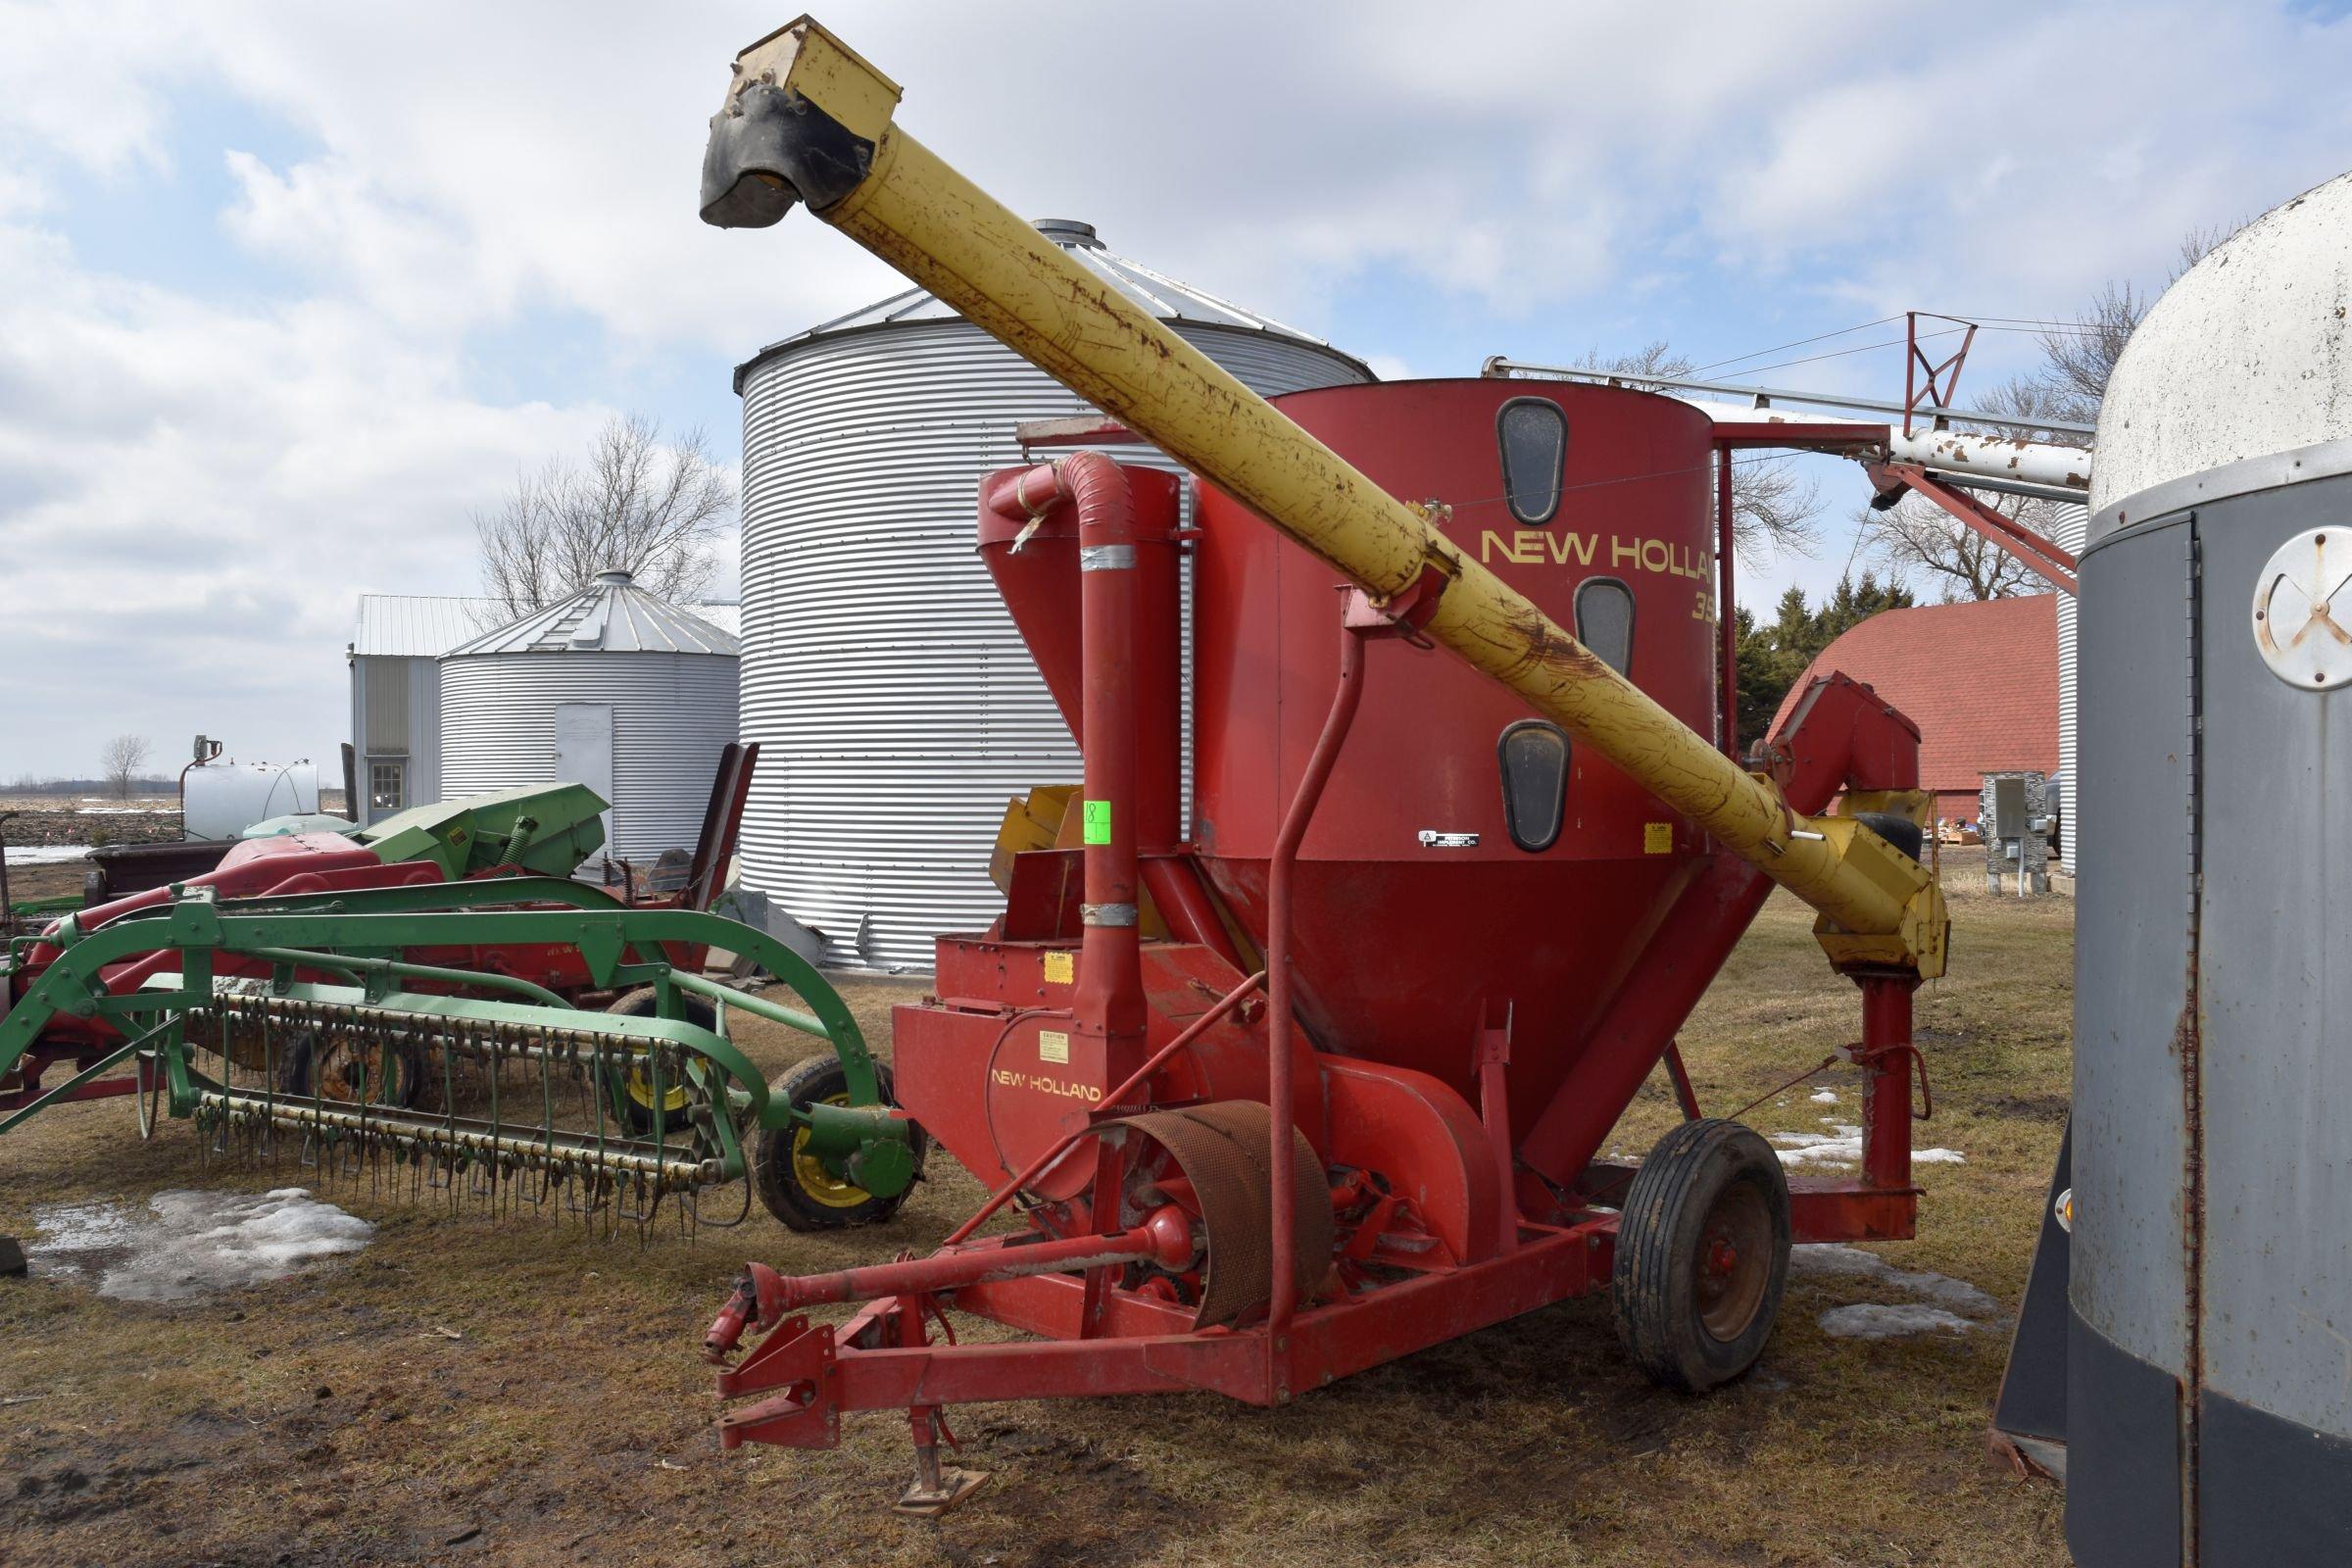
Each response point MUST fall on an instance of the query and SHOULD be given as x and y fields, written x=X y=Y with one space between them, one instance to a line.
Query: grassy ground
x=329 y=1418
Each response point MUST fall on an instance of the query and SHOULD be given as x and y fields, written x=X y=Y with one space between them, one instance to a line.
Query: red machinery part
x=1460 y=1005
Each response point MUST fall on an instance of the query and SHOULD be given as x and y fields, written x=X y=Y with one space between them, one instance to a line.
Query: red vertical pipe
x=1887 y=1079
x=1110 y=979
x=1108 y=1003
x=1281 y=1053
x=1727 y=620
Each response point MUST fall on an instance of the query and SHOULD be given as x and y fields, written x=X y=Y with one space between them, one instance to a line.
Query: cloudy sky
x=287 y=292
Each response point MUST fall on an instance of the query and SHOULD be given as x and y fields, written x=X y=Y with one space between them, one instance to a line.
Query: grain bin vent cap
x=610 y=615
x=1164 y=296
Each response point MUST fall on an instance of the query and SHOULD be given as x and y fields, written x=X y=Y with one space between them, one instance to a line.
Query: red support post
x=1727 y=628
x=1886 y=1057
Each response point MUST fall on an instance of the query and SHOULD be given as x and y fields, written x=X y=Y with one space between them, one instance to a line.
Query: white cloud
x=195 y=484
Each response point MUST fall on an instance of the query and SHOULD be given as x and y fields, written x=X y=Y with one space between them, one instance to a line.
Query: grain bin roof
x=1164 y=297
x=611 y=615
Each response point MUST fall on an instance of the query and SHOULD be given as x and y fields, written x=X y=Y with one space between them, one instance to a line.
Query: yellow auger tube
x=807 y=117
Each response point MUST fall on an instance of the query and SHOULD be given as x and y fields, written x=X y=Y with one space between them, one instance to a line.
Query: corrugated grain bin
x=614 y=688
x=894 y=703
x=2210 y=1335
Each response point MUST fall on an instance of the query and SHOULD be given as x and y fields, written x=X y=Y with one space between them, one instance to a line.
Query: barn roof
x=1979 y=679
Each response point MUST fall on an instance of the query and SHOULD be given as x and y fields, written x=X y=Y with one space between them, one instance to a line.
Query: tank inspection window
x=1605 y=622
x=1533 y=436
x=1534 y=756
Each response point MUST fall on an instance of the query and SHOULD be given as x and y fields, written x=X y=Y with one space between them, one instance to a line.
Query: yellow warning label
x=1657 y=838
x=1054 y=1045
x=1060 y=967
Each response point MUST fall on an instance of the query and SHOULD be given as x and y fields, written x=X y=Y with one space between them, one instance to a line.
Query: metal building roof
x=420 y=626
x=1980 y=678
x=610 y=615
x=726 y=617
x=1164 y=296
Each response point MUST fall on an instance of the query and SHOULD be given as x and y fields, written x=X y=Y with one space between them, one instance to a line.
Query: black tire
x=800 y=1191
x=300 y=1063
x=633 y=1110
x=1702 y=1256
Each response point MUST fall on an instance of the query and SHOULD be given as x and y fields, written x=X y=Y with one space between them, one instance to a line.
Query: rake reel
x=288 y=1028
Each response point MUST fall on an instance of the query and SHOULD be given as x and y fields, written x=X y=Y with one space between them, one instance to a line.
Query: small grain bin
x=2209 y=1383
x=894 y=703
x=614 y=688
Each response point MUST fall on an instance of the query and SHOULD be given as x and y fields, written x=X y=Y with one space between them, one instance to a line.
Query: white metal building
x=894 y=703
x=394 y=658
x=614 y=688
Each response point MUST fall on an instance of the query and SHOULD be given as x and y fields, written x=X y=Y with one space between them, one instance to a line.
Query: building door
x=584 y=751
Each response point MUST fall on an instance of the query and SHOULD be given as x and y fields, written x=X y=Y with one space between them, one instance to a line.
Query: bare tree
x=2079 y=356
x=120 y=761
x=1773 y=506
x=1917 y=538
x=638 y=504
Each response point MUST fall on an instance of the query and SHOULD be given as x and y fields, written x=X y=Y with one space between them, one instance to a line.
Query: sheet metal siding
x=895 y=704
x=2135 y=934
x=671 y=713
x=2067 y=531
x=396 y=712
x=2276 y=992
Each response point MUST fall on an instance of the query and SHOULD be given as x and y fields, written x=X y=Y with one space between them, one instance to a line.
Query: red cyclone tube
x=1109 y=1000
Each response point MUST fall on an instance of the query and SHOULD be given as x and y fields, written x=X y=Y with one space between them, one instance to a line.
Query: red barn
x=1979 y=679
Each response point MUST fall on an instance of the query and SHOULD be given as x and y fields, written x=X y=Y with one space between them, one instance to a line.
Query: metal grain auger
x=1479 y=895
x=433 y=999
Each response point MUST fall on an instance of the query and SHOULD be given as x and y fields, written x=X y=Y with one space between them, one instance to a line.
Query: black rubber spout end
x=770 y=148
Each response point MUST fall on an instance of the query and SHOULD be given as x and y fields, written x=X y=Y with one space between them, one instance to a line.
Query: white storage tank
x=614 y=688
x=896 y=706
x=2208 y=1389
x=219 y=798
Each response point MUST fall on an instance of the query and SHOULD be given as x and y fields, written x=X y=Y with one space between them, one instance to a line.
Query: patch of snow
x=1825 y=1096
x=1841 y=1146
x=191 y=1243
x=125 y=811
x=1834 y=1257
x=46 y=854
x=1877 y=1320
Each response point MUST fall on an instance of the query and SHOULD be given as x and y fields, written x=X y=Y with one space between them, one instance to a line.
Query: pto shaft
x=762 y=1295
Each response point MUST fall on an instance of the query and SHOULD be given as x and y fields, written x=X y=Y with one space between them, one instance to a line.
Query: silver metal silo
x=896 y=707
x=2209 y=1350
x=614 y=688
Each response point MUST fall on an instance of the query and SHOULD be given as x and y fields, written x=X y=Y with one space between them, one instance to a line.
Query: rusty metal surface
x=1223 y=1149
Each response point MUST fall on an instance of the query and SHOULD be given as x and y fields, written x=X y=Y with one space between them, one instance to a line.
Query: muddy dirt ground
x=512 y=1392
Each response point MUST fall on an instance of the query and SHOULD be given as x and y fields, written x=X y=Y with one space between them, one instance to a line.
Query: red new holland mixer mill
x=1328 y=1083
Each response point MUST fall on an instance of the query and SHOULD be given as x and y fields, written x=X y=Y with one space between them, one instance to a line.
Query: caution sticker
x=1054 y=1045
x=1657 y=838
x=1098 y=821
x=1062 y=967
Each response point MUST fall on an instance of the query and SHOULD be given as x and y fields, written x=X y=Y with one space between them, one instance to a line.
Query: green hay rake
x=387 y=1031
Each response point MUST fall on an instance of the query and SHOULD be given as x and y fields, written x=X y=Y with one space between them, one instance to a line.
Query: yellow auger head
x=802 y=119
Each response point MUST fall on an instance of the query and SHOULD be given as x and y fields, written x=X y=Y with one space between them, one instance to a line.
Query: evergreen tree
x=1772 y=659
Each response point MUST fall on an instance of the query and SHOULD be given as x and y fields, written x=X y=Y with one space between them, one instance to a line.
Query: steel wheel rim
x=1733 y=1266
x=808 y=1170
